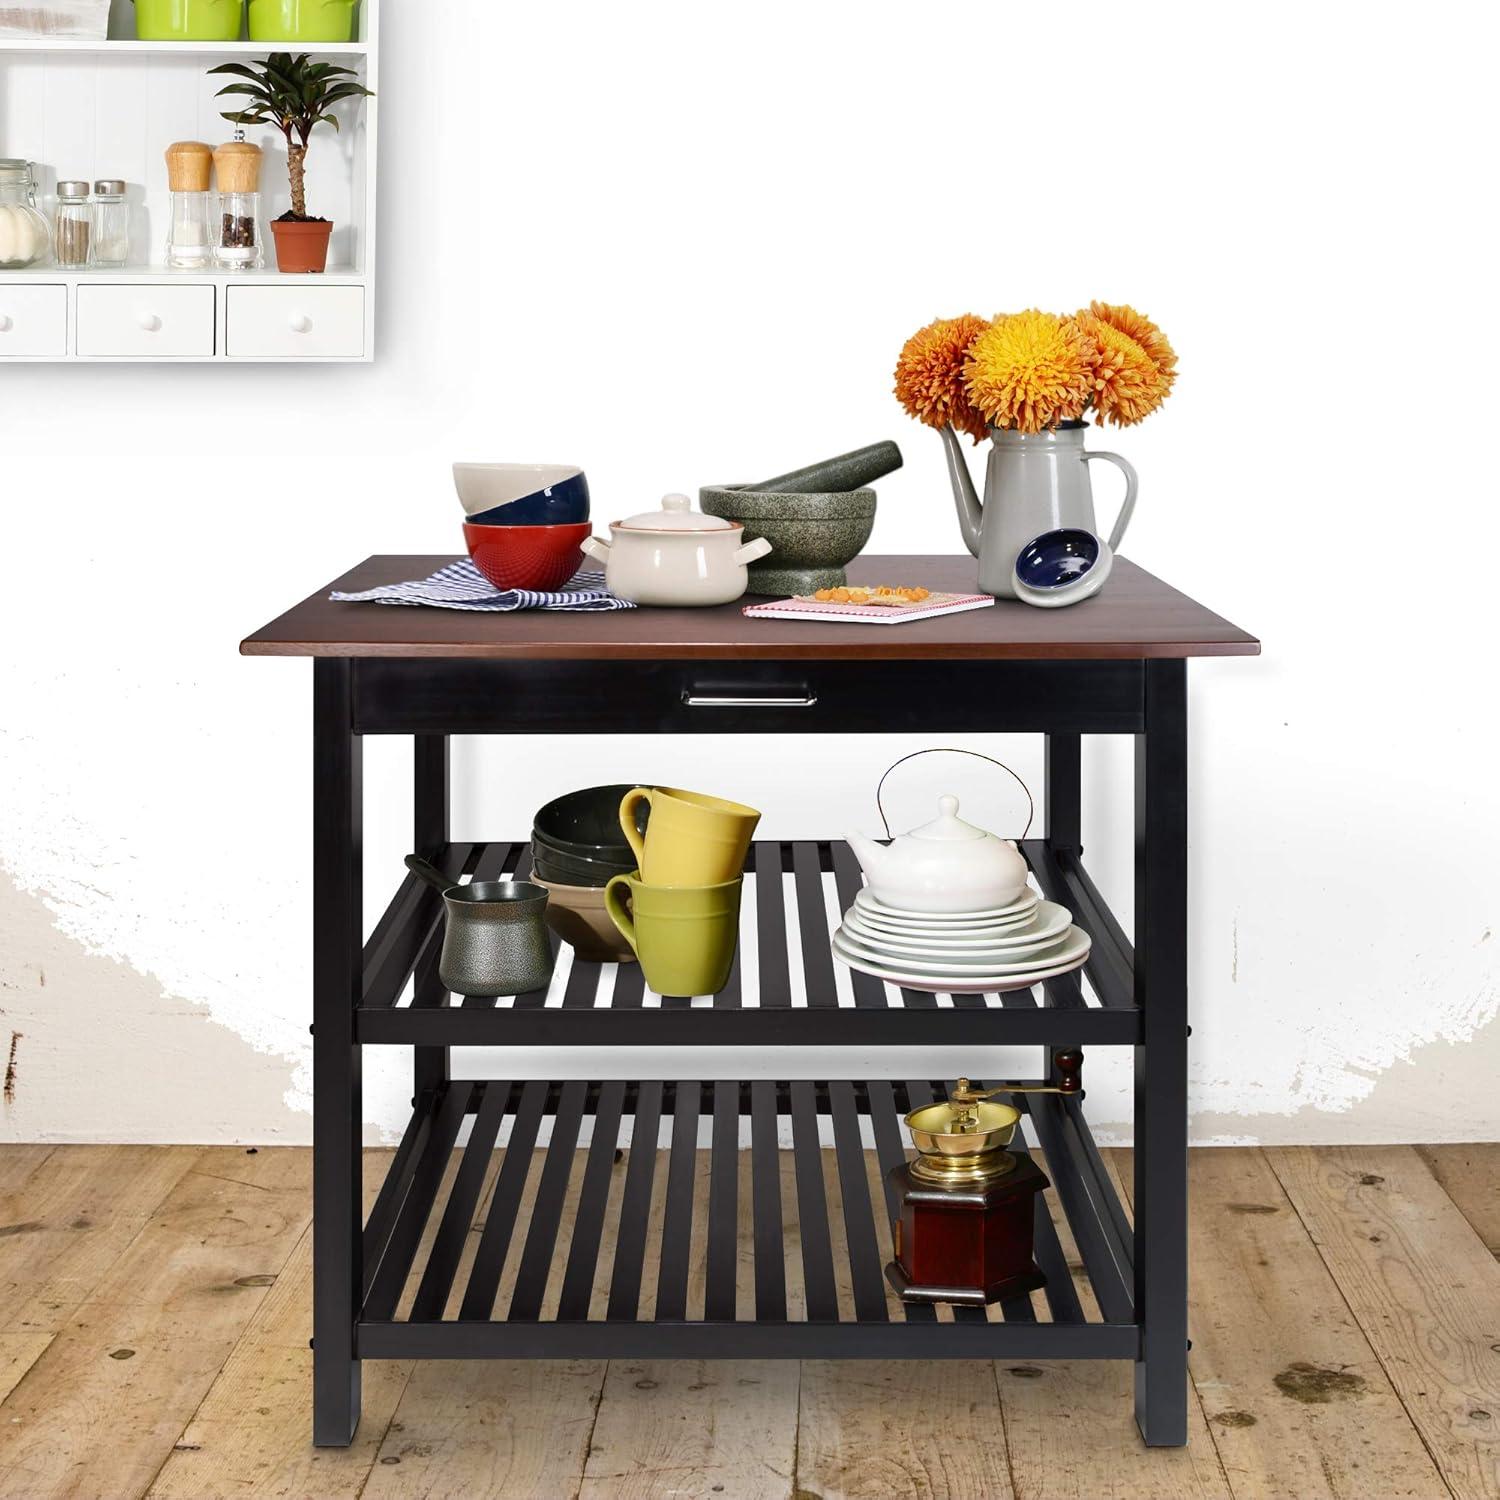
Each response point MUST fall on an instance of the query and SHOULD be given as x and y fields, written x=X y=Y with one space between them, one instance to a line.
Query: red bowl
x=527 y=557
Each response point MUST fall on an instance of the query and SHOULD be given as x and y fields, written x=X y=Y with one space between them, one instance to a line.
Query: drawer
x=145 y=322
x=296 y=322
x=33 y=322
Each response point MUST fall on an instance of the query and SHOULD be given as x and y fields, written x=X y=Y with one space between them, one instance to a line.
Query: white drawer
x=145 y=322
x=296 y=322
x=33 y=321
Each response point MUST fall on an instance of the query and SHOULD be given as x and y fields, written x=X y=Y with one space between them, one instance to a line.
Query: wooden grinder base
x=970 y=1245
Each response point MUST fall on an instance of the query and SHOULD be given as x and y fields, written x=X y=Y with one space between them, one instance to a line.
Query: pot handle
x=430 y=873
x=597 y=548
x=1127 y=506
x=752 y=550
x=615 y=895
x=628 y=805
x=954 y=750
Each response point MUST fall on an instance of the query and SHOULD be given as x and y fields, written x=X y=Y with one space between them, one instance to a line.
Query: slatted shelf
x=794 y=897
x=504 y=1250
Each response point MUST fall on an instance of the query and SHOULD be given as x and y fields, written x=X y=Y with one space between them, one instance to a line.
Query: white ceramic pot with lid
x=676 y=555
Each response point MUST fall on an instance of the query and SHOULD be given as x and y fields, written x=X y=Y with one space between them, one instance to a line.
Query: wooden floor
x=154 y=1320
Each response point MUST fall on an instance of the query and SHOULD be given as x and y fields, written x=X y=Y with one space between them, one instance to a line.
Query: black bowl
x=586 y=824
x=567 y=869
x=1057 y=559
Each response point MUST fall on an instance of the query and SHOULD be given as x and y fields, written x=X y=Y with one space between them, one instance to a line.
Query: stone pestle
x=835 y=476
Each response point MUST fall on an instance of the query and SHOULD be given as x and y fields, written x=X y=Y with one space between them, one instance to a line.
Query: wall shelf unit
x=95 y=109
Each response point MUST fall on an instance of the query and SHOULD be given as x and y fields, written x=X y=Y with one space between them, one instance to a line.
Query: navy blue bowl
x=1057 y=559
x=561 y=504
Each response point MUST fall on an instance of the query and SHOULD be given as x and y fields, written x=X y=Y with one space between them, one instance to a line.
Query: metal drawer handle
x=705 y=700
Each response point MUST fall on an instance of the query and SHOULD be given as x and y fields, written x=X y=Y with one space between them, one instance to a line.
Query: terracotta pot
x=301 y=247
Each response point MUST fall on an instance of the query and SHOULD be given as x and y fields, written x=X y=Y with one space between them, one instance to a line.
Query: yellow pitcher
x=691 y=839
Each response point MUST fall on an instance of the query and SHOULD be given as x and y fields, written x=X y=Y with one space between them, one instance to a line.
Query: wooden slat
x=869 y=992
x=770 y=1262
x=677 y=1217
x=630 y=1249
x=723 y=1205
x=866 y=1272
x=458 y=1212
x=890 y=1147
x=1421 y=1285
x=388 y=1277
x=397 y=1184
x=593 y=1199
x=630 y=988
x=812 y=925
x=819 y=1287
x=541 y=1249
x=770 y=924
x=505 y=1203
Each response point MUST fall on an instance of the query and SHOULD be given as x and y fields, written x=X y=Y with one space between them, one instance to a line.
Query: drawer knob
x=5 y=323
x=148 y=321
x=300 y=323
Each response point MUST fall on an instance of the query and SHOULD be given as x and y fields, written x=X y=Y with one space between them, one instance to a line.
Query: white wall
x=682 y=243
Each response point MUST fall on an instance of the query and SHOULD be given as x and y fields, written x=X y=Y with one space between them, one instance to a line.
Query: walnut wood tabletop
x=1137 y=616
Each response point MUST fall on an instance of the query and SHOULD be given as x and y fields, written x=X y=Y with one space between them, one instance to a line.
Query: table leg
x=1161 y=1060
x=1062 y=796
x=431 y=829
x=337 y=1105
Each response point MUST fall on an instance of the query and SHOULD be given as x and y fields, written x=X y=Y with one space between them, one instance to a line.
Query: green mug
x=684 y=935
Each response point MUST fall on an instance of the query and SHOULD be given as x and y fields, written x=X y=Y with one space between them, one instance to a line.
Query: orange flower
x=929 y=375
x=1030 y=371
x=1133 y=364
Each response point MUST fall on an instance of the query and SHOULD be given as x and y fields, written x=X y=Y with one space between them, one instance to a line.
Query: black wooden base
x=964 y=1296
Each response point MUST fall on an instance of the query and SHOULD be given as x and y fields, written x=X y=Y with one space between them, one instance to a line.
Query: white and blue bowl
x=522 y=494
x=1061 y=567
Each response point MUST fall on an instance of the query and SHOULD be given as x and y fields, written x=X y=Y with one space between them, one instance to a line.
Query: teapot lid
x=948 y=827
x=676 y=513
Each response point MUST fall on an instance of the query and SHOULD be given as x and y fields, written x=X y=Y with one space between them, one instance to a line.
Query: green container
x=302 y=20
x=188 y=20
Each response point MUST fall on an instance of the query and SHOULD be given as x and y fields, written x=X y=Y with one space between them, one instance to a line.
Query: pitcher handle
x=1127 y=507
x=615 y=895
x=628 y=804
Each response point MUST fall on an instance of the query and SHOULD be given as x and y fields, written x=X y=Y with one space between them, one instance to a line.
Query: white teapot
x=946 y=865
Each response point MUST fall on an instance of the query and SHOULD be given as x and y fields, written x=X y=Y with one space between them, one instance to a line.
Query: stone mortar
x=813 y=535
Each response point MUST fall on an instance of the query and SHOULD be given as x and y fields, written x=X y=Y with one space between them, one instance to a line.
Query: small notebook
x=800 y=607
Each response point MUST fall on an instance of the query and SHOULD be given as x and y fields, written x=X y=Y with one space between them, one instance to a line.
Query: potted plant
x=295 y=95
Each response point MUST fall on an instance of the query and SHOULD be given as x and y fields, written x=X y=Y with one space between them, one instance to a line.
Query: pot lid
x=948 y=827
x=676 y=514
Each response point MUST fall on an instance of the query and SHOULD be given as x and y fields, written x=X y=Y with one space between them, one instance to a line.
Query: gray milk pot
x=1034 y=482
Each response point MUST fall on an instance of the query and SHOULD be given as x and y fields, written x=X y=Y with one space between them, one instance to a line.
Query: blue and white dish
x=1061 y=567
x=522 y=494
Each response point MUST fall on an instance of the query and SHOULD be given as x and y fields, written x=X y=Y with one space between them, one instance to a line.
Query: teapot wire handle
x=954 y=750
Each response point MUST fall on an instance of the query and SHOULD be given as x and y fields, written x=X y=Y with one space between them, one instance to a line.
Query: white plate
x=919 y=930
x=1017 y=908
x=1073 y=944
x=949 y=984
x=1048 y=921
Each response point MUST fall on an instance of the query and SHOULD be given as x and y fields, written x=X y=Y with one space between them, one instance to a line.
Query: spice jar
x=237 y=236
x=72 y=223
x=111 y=238
x=24 y=236
x=189 y=171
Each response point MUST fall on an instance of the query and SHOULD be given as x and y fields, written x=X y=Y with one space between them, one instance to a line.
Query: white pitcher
x=1035 y=482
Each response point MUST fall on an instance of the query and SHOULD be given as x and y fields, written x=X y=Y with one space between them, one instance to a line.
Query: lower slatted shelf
x=683 y=1227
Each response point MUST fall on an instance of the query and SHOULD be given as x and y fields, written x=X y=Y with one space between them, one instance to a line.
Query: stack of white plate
x=965 y=953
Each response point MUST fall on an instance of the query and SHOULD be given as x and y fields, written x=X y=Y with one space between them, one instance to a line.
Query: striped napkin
x=462 y=586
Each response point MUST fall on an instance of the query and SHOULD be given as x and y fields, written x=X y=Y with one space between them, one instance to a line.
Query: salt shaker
x=111 y=236
x=189 y=172
x=237 y=237
x=72 y=223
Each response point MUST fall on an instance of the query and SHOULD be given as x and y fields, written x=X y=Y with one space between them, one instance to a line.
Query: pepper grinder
x=237 y=243
x=189 y=174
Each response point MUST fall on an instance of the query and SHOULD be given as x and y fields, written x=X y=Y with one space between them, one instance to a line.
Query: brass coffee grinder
x=967 y=1204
